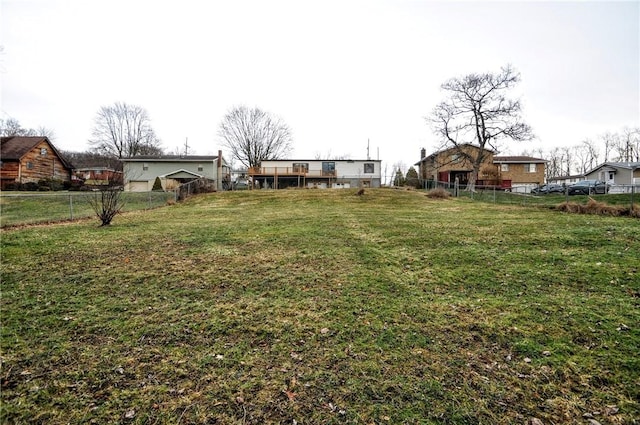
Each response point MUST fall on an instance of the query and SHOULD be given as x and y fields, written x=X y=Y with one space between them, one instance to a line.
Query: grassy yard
x=19 y=208
x=318 y=306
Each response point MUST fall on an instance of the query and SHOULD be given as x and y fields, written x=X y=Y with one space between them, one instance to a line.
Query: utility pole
x=186 y=146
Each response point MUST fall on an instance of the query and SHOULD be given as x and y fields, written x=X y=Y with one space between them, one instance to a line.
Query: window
x=43 y=151
x=328 y=168
x=529 y=168
x=145 y=166
x=300 y=167
x=200 y=168
x=29 y=165
x=369 y=168
x=455 y=158
x=504 y=167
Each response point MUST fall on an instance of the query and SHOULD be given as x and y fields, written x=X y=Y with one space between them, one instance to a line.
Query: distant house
x=566 y=180
x=616 y=174
x=517 y=173
x=140 y=172
x=98 y=176
x=524 y=172
x=450 y=164
x=343 y=173
x=29 y=160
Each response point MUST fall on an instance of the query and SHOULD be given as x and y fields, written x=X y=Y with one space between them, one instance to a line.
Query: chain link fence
x=621 y=195
x=20 y=208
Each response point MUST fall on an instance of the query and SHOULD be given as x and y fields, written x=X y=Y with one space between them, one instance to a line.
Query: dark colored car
x=547 y=188
x=588 y=187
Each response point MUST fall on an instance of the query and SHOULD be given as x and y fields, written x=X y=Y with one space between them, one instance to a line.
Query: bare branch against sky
x=122 y=130
x=479 y=111
x=252 y=135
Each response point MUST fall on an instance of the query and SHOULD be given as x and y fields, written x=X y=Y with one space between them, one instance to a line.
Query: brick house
x=517 y=173
x=98 y=176
x=524 y=172
x=29 y=160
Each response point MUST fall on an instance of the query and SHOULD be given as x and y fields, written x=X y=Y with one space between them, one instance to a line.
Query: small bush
x=157 y=185
x=438 y=193
x=106 y=204
x=30 y=187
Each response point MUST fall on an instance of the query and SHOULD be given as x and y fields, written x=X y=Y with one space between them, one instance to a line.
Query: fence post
x=633 y=190
x=71 y=206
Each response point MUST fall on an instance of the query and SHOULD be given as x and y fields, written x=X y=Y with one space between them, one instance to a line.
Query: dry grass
x=599 y=208
x=318 y=306
x=438 y=193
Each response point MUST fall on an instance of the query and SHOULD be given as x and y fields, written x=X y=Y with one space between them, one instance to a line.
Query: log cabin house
x=31 y=159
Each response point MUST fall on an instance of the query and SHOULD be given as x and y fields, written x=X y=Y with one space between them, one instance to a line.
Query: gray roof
x=170 y=158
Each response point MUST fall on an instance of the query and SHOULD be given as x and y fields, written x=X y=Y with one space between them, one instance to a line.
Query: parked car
x=548 y=188
x=588 y=187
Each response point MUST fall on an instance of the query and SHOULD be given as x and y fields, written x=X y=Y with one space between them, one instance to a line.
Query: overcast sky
x=339 y=73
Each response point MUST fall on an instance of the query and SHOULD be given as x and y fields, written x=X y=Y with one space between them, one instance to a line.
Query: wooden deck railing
x=289 y=171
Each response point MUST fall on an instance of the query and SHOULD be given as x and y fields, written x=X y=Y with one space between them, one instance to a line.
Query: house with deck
x=29 y=159
x=304 y=173
x=515 y=173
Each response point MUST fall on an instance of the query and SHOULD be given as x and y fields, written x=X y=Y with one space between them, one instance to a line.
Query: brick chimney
x=423 y=153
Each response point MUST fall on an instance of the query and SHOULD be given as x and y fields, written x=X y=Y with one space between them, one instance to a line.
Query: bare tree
x=478 y=112
x=586 y=154
x=106 y=204
x=12 y=127
x=627 y=145
x=253 y=135
x=123 y=130
x=609 y=141
x=554 y=167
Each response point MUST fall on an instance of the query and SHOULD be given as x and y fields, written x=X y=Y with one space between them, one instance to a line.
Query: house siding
x=137 y=171
x=34 y=166
x=346 y=173
x=450 y=164
x=441 y=164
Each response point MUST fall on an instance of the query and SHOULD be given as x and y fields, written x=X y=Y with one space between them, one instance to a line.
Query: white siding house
x=620 y=176
x=343 y=173
x=140 y=172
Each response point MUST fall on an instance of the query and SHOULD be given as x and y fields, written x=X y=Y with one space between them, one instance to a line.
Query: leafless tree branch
x=123 y=130
x=253 y=135
x=478 y=112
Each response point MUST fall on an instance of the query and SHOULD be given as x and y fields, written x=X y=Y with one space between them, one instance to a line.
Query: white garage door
x=138 y=186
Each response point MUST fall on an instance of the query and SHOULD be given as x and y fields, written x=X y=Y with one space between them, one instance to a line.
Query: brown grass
x=438 y=193
x=599 y=208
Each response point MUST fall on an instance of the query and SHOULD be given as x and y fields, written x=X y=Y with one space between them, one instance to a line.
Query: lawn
x=19 y=208
x=319 y=306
